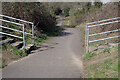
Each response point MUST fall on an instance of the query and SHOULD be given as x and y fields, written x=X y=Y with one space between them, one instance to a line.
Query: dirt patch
x=102 y=63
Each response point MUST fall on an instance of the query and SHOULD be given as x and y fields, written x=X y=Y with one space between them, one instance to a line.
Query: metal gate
x=97 y=24
x=19 y=24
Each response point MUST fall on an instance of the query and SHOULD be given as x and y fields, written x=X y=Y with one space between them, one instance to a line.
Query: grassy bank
x=101 y=64
x=10 y=53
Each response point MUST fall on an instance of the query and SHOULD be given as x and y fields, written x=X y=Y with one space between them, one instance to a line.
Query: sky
x=105 y=1
x=56 y=0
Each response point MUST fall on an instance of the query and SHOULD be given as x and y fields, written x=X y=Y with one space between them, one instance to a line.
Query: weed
x=28 y=41
x=66 y=23
x=106 y=50
x=13 y=26
x=106 y=43
x=114 y=49
x=43 y=36
x=28 y=31
x=38 y=41
x=66 y=12
x=13 y=50
x=108 y=68
x=89 y=55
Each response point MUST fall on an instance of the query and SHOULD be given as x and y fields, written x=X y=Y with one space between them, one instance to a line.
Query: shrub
x=88 y=55
x=66 y=12
x=88 y=6
x=34 y=12
x=58 y=11
x=98 y=4
x=43 y=36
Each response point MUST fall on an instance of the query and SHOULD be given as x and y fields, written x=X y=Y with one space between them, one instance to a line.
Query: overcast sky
x=105 y=1
x=57 y=0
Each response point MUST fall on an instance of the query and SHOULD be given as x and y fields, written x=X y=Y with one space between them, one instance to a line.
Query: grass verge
x=10 y=53
x=101 y=64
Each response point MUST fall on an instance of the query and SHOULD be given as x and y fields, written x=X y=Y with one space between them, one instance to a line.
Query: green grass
x=11 y=53
x=28 y=31
x=21 y=53
x=88 y=55
x=7 y=48
x=106 y=50
x=106 y=69
x=39 y=41
x=13 y=26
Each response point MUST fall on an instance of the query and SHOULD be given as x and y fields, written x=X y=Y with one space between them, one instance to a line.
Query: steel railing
x=19 y=24
x=96 y=24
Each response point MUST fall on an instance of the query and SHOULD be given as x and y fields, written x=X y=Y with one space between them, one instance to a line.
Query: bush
x=98 y=4
x=66 y=12
x=88 y=55
x=80 y=15
x=34 y=12
x=58 y=11
x=43 y=36
x=88 y=6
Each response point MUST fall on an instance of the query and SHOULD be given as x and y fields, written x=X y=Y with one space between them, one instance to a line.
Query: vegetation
x=108 y=68
x=79 y=11
x=35 y=12
x=66 y=12
x=45 y=36
x=2 y=64
x=40 y=15
x=58 y=11
x=13 y=50
x=66 y=22
x=89 y=55
x=78 y=16
x=11 y=53
x=101 y=64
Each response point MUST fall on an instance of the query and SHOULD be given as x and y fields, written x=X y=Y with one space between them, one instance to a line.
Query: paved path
x=60 y=59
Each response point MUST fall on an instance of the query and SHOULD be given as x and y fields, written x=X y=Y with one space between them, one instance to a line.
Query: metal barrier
x=96 y=24
x=23 y=31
